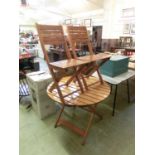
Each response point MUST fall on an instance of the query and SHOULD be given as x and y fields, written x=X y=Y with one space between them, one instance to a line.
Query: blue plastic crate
x=116 y=65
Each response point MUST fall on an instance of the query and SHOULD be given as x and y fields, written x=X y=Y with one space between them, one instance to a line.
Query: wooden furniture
x=56 y=54
x=26 y=56
x=126 y=41
x=126 y=46
x=27 y=62
x=129 y=51
x=76 y=90
x=78 y=35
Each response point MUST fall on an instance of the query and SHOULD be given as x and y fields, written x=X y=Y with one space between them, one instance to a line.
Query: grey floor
x=109 y=136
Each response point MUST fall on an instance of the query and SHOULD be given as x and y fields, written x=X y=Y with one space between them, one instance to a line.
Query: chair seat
x=95 y=57
x=96 y=92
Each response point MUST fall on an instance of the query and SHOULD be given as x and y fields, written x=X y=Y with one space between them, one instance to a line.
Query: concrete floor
x=109 y=136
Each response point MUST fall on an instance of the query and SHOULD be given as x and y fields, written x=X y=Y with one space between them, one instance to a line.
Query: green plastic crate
x=117 y=64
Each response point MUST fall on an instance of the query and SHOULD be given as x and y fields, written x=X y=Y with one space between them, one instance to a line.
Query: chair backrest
x=52 y=35
x=78 y=35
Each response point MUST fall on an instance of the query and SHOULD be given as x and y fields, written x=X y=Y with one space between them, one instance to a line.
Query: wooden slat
x=97 y=91
x=51 y=35
x=51 y=32
x=50 y=42
x=91 y=93
x=67 y=91
x=76 y=28
x=72 y=127
x=50 y=27
x=93 y=83
x=101 y=86
x=53 y=39
x=91 y=80
x=57 y=43
x=64 y=64
x=95 y=94
x=78 y=101
x=82 y=98
x=95 y=57
x=89 y=98
x=80 y=40
x=79 y=36
x=63 y=80
x=53 y=97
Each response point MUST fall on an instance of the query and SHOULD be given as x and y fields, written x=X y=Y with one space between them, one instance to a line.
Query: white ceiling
x=68 y=6
x=39 y=10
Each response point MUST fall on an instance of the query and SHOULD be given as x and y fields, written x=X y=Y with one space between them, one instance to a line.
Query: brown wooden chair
x=78 y=35
x=71 y=91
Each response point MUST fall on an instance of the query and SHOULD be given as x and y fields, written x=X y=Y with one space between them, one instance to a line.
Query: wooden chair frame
x=76 y=90
x=78 y=34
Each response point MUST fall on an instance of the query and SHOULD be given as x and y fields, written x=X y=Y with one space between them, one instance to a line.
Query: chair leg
x=110 y=88
x=83 y=133
x=114 y=102
x=57 y=121
x=128 y=91
x=93 y=109
x=87 y=128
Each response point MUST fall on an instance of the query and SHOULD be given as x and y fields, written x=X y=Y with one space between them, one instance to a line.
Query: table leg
x=128 y=91
x=110 y=88
x=114 y=103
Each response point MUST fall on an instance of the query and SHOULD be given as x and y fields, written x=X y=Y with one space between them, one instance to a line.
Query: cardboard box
x=41 y=103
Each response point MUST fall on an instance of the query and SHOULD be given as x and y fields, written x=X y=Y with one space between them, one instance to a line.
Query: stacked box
x=117 y=64
x=35 y=65
x=41 y=103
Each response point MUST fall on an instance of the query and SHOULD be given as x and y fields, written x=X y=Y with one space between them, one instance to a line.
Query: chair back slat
x=52 y=35
x=78 y=35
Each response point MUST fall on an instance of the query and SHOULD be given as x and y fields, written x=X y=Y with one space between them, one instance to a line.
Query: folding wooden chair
x=71 y=91
x=78 y=35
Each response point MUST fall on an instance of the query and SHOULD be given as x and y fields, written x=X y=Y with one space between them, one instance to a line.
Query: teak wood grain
x=79 y=89
x=64 y=64
x=95 y=93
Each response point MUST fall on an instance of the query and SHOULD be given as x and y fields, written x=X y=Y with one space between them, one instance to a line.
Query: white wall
x=113 y=21
x=95 y=15
x=110 y=17
x=30 y=15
